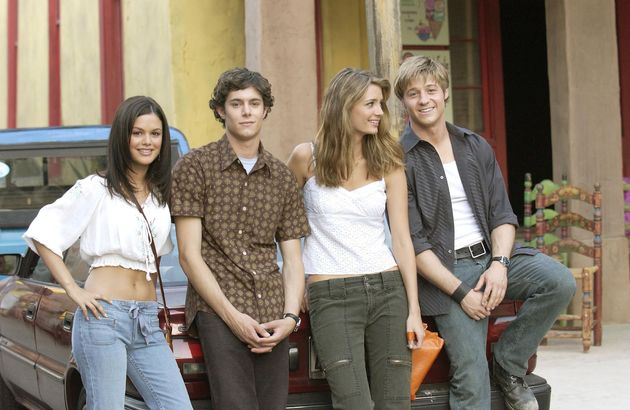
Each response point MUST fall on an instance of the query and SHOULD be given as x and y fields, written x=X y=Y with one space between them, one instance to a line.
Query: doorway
x=526 y=95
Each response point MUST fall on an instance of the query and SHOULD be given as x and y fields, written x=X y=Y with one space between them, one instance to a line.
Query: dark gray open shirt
x=430 y=212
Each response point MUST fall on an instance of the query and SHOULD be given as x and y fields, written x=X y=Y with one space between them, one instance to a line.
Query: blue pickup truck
x=36 y=368
x=38 y=165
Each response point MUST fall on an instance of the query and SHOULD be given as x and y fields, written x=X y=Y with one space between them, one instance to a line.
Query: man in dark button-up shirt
x=232 y=201
x=463 y=228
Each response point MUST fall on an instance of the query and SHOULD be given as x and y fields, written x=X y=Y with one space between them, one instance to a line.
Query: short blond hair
x=423 y=67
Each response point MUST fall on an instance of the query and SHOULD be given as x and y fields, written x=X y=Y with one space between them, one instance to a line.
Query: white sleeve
x=167 y=247
x=59 y=225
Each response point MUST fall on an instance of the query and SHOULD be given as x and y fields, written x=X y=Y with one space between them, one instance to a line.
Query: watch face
x=503 y=260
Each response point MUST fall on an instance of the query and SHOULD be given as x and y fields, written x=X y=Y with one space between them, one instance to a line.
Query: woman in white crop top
x=116 y=330
x=362 y=296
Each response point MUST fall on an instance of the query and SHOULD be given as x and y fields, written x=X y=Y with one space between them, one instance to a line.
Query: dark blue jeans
x=544 y=284
x=359 y=329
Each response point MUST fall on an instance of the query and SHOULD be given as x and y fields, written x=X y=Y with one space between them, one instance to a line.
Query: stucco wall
x=207 y=38
x=586 y=126
x=147 y=52
x=281 y=45
x=32 y=64
x=80 y=62
x=344 y=37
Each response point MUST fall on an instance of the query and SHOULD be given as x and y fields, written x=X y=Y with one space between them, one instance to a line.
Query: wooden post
x=384 y=47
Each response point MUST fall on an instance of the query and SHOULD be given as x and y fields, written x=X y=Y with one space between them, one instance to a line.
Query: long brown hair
x=119 y=160
x=333 y=143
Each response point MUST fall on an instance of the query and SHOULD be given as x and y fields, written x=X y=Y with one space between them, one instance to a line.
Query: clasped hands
x=260 y=337
x=479 y=304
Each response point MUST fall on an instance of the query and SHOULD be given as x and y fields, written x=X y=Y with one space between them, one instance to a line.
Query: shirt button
x=259 y=296
x=245 y=253
x=441 y=176
x=240 y=231
x=244 y=208
x=254 y=272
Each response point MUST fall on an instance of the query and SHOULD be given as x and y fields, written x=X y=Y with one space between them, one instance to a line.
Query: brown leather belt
x=472 y=251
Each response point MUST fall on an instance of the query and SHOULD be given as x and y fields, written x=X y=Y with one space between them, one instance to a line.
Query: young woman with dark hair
x=362 y=296
x=116 y=330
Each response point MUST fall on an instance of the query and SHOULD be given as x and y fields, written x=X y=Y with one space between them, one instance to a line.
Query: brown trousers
x=238 y=378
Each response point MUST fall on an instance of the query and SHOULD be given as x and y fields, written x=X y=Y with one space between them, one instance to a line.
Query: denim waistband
x=140 y=312
x=125 y=305
x=335 y=286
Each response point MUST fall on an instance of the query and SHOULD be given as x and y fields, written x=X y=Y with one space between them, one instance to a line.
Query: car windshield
x=34 y=181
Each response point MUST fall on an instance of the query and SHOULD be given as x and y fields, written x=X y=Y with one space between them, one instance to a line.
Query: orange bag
x=422 y=359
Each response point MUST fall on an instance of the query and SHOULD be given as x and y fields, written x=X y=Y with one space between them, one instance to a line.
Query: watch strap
x=294 y=317
x=503 y=260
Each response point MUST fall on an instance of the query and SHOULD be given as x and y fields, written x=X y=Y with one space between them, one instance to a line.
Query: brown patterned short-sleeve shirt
x=242 y=215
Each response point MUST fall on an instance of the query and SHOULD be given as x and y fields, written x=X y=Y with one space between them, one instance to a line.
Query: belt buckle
x=472 y=252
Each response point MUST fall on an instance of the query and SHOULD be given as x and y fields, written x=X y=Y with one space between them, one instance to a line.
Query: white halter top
x=347 y=230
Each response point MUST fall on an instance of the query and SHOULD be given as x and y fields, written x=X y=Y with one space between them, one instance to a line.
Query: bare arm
x=300 y=163
x=403 y=249
x=293 y=272
x=495 y=277
x=200 y=276
x=83 y=298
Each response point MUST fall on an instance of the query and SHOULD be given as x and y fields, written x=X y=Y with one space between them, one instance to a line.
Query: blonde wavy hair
x=333 y=142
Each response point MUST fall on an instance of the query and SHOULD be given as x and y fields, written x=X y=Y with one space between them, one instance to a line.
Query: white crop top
x=112 y=230
x=347 y=230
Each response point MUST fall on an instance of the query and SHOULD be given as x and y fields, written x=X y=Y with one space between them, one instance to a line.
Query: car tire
x=7 y=399
x=82 y=401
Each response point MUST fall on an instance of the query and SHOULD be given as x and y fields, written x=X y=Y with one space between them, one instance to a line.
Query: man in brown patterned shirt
x=232 y=201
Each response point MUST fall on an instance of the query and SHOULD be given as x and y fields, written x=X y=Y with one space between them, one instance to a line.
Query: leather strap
x=167 y=314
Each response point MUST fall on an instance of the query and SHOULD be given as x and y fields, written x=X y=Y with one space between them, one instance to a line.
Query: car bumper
x=433 y=397
x=429 y=397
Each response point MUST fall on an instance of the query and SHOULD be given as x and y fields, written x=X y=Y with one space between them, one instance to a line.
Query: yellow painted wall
x=147 y=52
x=344 y=37
x=208 y=37
x=32 y=65
x=80 y=62
x=3 y=64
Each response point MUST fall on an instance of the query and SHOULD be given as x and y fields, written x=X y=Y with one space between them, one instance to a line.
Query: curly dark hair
x=236 y=79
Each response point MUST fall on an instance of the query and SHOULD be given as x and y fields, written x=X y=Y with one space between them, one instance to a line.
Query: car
x=37 y=165
x=36 y=366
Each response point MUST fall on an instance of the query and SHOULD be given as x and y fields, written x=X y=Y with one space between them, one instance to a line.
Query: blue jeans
x=544 y=284
x=358 y=325
x=129 y=342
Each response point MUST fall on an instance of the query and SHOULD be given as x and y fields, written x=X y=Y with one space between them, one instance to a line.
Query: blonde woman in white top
x=116 y=328
x=362 y=296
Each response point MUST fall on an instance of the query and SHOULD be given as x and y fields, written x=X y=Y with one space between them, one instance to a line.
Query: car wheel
x=82 y=401
x=7 y=399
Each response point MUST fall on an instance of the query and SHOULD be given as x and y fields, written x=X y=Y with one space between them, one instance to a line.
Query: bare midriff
x=322 y=277
x=118 y=283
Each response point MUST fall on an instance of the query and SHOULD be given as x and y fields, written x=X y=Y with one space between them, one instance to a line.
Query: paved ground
x=599 y=379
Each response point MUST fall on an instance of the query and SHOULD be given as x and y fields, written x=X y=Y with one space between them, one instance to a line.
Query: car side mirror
x=9 y=264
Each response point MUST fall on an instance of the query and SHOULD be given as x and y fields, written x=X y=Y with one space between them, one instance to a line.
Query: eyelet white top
x=113 y=232
x=347 y=230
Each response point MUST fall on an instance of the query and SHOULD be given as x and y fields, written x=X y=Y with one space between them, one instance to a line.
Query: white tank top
x=347 y=230
x=467 y=229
